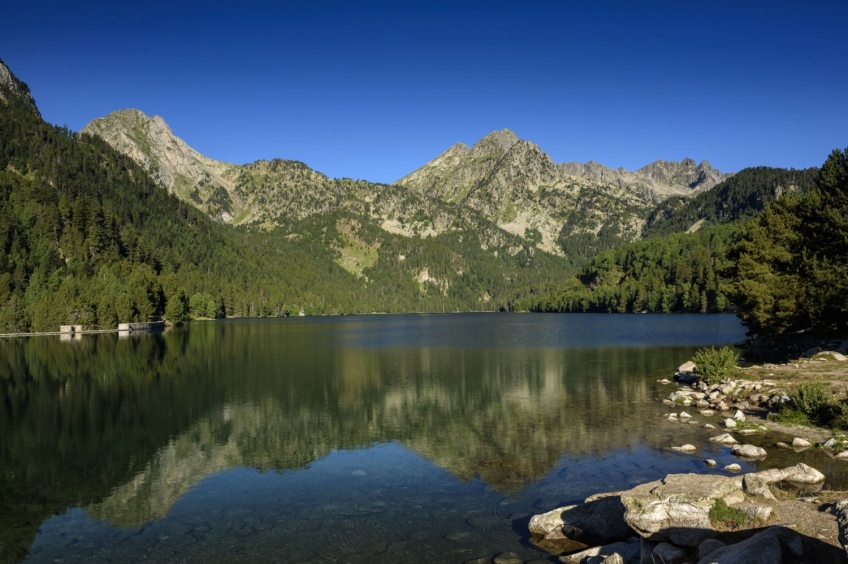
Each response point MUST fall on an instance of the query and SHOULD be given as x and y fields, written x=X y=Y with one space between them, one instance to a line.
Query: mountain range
x=509 y=181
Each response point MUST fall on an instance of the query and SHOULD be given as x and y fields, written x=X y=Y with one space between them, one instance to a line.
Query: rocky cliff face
x=657 y=181
x=10 y=85
x=169 y=160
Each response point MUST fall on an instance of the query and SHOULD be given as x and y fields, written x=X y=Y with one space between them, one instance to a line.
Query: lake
x=420 y=438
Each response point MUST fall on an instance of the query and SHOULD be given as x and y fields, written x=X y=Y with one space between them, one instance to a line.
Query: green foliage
x=713 y=365
x=813 y=403
x=724 y=517
x=788 y=272
x=679 y=273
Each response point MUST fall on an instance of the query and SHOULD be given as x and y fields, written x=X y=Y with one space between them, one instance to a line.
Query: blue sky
x=375 y=89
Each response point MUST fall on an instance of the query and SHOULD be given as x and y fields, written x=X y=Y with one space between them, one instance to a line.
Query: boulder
x=627 y=551
x=798 y=474
x=762 y=548
x=841 y=510
x=595 y=523
x=549 y=525
x=676 y=508
x=747 y=451
x=686 y=367
x=754 y=485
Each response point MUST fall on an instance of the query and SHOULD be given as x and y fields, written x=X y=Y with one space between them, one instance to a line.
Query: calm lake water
x=426 y=438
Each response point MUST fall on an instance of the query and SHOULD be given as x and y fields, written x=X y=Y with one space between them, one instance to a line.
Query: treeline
x=678 y=273
x=788 y=272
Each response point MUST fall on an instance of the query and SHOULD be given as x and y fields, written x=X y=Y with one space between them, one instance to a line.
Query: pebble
x=710 y=462
x=733 y=468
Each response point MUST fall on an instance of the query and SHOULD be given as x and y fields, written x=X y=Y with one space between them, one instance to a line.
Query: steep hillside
x=739 y=197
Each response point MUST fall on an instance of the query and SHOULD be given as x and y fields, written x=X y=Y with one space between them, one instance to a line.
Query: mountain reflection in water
x=124 y=428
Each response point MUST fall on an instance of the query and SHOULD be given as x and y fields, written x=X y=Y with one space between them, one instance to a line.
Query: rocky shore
x=723 y=516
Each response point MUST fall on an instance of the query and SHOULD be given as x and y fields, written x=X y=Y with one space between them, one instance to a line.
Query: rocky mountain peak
x=496 y=141
x=10 y=84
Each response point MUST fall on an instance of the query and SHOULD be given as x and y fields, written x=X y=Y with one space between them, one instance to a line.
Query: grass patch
x=726 y=518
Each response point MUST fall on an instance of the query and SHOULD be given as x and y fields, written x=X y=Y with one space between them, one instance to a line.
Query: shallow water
x=353 y=439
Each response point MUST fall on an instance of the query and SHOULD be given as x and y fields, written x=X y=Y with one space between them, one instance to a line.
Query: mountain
x=168 y=159
x=571 y=209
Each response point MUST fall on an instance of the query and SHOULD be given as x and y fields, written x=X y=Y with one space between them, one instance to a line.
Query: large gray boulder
x=762 y=548
x=676 y=508
x=594 y=523
x=800 y=474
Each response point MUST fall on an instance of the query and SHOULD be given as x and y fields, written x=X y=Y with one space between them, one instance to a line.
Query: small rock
x=830 y=443
x=710 y=462
x=684 y=448
x=664 y=381
x=757 y=513
x=733 y=468
x=707 y=412
x=798 y=442
x=782 y=445
x=730 y=423
x=747 y=451
x=709 y=426
x=739 y=416
x=684 y=415
x=725 y=439
x=842 y=455
x=748 y=431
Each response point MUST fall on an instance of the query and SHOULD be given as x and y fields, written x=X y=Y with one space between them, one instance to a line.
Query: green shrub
x=813 y=403
x=712 y=364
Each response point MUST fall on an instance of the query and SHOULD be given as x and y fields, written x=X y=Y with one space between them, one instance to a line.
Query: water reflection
x=126 y=427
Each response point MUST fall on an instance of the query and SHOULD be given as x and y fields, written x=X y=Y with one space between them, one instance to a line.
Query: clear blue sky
x=375 y=89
